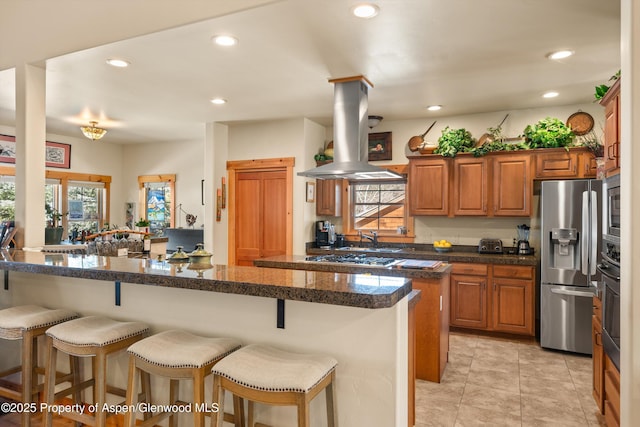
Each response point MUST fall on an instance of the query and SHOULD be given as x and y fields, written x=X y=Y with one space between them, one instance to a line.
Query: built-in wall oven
x=610 y=269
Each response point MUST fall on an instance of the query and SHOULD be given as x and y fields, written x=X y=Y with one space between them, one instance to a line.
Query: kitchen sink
x=365 y=249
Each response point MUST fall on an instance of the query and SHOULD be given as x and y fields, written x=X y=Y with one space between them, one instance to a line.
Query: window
x=379 y=205
x=85 y=201
x=7 y=198
x=156 y=198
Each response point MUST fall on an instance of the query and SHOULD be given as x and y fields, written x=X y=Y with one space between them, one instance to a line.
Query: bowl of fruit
x=442 y=245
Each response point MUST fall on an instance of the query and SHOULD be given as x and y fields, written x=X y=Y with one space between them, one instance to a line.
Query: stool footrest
x=11 y=371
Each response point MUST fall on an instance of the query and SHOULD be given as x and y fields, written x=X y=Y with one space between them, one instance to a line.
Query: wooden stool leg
x=174 y=390
x=250 y=413
x=146 y=391
x=331 y=403
x=100 y=388
x=303 y=410
x=74 y=366
x=29 y=358
x=238 y=411
x=49 y=381
x=218 y=397
x=132 y=393
x=198 y=397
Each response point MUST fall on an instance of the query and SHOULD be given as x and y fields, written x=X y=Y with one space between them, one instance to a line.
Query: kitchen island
x=360 y=319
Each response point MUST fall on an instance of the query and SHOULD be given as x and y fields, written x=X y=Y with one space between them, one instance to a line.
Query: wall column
x=215 y=167
x=30 y=154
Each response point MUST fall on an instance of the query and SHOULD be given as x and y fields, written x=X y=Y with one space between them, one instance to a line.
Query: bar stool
x=264 y=374
x=175 y=355
x=28 y=322
x=96 y=337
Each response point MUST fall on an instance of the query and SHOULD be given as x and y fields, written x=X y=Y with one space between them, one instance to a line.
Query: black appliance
x=610 y=269
x=325 y=234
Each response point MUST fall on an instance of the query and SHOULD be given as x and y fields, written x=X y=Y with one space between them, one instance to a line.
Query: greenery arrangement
x=592 y=142
x=454 y=141
x=601 y=90
x=497 y=146
x=142 y=223
x=548 y=133
x=53 y=216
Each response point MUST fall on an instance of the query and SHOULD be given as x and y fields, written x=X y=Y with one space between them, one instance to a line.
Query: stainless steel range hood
x=350 y=135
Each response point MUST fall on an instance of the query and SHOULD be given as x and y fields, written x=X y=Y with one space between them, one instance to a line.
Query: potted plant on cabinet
x=53 y=231
x=143 y=225
x=549 y=133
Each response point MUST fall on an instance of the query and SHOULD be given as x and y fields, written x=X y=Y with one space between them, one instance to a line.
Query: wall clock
x=580 y=123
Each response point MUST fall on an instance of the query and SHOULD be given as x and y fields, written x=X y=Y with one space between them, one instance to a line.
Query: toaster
x=490 y=246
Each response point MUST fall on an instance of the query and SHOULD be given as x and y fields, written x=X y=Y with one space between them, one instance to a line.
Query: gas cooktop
x=356 y=259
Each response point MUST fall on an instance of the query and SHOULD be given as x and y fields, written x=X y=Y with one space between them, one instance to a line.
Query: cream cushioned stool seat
x=261 y=373
x=28 y=322
x=176 y=355
x=95 y=337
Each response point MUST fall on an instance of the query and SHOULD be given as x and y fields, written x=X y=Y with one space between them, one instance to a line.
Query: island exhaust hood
x=350 y=135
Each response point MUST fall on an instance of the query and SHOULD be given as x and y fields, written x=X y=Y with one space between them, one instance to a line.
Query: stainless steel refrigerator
x=571 y=224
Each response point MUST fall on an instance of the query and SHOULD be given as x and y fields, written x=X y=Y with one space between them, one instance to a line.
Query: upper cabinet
x=512 y=185
x=611 y=103
x=329 y=197
x=429 y=186
x=470 y=194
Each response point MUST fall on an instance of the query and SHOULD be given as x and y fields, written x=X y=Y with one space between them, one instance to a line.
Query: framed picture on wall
x=7 y=149
x=380 y=146
x=58 y=155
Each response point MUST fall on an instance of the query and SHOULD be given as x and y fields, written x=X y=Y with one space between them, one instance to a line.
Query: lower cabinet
x=431 y=328
x=611 y=393
x=497 y=298
x=597 y=353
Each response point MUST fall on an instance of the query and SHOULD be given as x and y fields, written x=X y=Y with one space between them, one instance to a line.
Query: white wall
x=183 y=159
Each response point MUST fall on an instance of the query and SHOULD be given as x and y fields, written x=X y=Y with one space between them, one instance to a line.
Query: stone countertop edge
x=453 y=256
x=323 y=288
x=298 y=262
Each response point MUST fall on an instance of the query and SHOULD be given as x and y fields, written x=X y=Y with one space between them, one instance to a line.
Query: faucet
x=373 y=238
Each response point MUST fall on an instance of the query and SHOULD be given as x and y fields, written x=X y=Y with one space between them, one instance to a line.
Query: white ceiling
x=469 y=56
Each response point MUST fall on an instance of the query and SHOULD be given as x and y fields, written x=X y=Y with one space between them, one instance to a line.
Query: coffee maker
x=523 y=240
x=325 y=234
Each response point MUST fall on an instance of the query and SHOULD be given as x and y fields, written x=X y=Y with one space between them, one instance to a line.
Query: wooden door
x=469 y=301
x=513 y=306
x=429 y=186
x=470 y=189
x=260 y=215
x=511 y=185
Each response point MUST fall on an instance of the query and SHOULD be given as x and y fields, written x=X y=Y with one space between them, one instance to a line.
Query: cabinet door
x=589 y=166
x=429 y=186
x=513 y=306
x=511 y=185
x=598 y=361
x=557 y=164
x=470 y=189
x=469 y=301
x=328 y=197
x=611 y=102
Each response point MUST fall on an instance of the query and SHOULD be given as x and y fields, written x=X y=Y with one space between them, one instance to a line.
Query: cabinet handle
x=598 y=338
x=494 y=286
x=616 y=146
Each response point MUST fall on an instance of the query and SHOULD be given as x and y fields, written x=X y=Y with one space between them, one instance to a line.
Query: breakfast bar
x=359 y=319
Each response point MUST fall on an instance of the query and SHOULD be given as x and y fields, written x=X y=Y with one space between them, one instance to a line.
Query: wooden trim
x=145 y=179
x=258 y=165
x=359 y=78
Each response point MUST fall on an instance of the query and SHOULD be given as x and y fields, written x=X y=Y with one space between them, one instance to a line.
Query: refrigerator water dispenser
x=564 y=249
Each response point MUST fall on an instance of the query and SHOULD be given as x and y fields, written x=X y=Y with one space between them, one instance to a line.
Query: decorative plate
x=580 y=123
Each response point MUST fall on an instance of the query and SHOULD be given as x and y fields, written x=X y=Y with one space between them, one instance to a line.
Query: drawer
x=611 y=390
x=469 y=269
x=513 y=271
x=610 y=416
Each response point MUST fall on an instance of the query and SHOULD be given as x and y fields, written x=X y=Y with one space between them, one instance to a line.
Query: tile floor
x=498 y=382
x=495 y=382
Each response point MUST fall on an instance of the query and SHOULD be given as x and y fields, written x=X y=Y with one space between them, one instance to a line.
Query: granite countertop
x=299 y=262
x=355 y=290
x=458 y=254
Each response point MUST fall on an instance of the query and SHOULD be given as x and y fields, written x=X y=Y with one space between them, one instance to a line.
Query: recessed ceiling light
x=561 y=54
x=365 y=10
x=225 y=40
x=218 y=101
x=434 y=107
x=551 y=94
x=120 y=63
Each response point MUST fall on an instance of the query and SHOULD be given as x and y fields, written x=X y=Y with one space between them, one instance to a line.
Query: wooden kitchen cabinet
x=329 y=197
x=469 y=295
x=470 y=194
x=505 y=306
x=429 y=186
x=611 y=103
x=432 y=328
x=597 y=354
x=611 y=393
x=512 y=185
x=557 y=163
x=513 y=299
